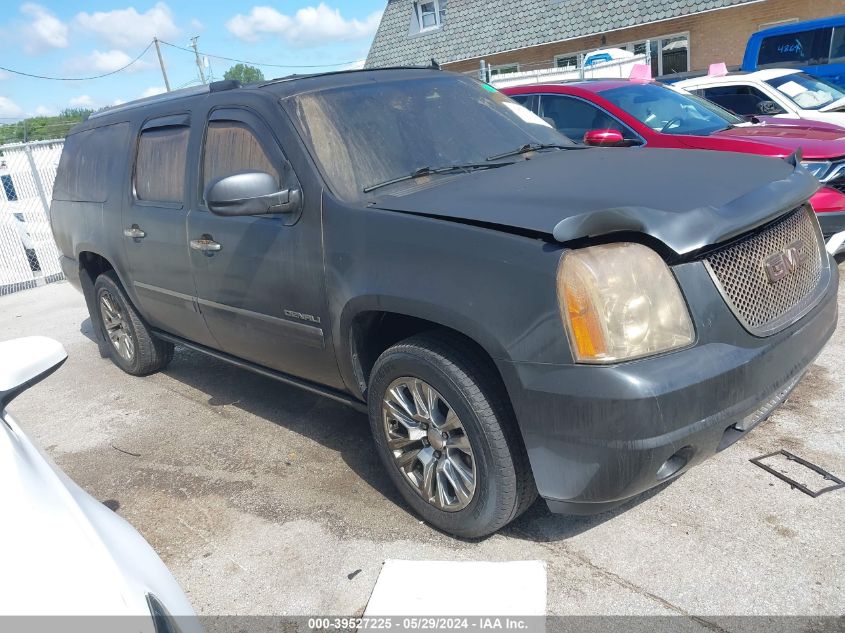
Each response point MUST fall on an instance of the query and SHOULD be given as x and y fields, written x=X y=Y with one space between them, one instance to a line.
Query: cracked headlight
x=620 y=301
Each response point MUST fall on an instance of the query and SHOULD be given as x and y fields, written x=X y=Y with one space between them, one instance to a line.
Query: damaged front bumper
x=599 y=435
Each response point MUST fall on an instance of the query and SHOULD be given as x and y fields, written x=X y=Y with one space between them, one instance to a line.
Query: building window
x=674 y=55
x=500 y=69
x=428 y=15
x=669 y=54
x=566 y=61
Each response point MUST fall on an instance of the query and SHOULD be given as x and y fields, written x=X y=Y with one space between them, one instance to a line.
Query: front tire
x=446 y=433
x=130 y=343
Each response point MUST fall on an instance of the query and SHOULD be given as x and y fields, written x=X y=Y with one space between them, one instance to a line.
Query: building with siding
x=511 y=35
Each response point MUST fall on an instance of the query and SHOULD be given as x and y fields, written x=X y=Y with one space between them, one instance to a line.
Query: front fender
x=494 y=287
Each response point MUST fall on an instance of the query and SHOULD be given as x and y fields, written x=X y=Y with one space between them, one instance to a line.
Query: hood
x=685 y=199
x=789 y=122
x=815 y=143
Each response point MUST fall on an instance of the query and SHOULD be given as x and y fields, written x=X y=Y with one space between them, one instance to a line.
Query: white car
x=777 y=92
x=62 y=552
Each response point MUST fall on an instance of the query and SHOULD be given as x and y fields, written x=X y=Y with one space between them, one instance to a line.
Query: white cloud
x=310 y=26
x=43 y=110
x=126 y=28
x=4 y=75
x=82 y=101
x=9 y=109
x=196 y=25
x=104 y=62
x=355 y=65
x=152 y=91
x=43 y=29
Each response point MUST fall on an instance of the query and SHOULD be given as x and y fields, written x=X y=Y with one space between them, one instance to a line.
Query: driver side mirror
x=250 y=193
x=25 y=361
x=605 y=138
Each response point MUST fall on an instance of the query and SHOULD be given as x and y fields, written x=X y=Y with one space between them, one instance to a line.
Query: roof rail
x=215 y=86
x=346 y=71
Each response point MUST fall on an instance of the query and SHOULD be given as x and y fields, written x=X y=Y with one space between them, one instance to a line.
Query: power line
x=113 y=72
x=245 y=61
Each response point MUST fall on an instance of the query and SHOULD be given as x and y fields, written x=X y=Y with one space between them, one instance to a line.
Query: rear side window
x=231 y=148
x=160 y=164
x=90 y=161
x=795 y=49
x=837 y=46
x=742 y=100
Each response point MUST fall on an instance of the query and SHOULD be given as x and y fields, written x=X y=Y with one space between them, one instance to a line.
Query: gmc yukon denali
x=517 y=314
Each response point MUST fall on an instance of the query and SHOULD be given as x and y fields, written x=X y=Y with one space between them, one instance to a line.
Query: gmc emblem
x=779 y=265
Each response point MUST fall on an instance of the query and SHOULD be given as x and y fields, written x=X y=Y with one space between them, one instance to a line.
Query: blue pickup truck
x=815 y=46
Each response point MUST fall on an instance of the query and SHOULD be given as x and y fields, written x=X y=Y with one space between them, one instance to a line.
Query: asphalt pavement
x=264 y=499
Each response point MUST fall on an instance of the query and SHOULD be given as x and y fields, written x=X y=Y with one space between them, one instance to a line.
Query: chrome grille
x=762 y=306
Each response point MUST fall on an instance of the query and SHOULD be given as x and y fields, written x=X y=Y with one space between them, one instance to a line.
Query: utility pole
x=197 y=55
x=161 y=63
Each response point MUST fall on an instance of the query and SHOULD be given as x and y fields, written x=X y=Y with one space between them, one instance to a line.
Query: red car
x=624 y=113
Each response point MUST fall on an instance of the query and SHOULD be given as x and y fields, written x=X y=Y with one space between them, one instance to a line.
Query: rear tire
x=130 y=343
x=446 y=433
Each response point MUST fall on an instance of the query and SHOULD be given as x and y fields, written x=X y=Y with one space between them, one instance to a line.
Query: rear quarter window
x=802 y=48
x=90 y=160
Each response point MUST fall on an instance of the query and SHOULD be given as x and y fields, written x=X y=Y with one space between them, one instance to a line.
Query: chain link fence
x=28 y=254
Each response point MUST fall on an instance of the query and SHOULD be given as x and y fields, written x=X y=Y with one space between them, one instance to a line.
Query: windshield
x=806 y=91
x=667 y=111
x=378 y=131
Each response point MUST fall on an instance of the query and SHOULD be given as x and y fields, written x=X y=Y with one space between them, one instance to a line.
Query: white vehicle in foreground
x=62 y=552
x=778 y=92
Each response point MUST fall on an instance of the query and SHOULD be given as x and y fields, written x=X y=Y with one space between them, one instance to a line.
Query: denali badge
x=302 y=316
x=780 y=264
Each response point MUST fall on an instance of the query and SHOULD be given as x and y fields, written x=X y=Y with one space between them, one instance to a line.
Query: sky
x=62 y=38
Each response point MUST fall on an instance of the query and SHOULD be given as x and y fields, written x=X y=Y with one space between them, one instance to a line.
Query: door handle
x=134 y=232
x=206 y=245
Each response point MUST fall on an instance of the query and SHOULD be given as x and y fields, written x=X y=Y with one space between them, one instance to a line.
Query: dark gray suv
x=515 y=312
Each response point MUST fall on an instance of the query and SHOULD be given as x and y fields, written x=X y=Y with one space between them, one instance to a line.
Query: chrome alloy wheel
x=429 y=444
x=115 y=326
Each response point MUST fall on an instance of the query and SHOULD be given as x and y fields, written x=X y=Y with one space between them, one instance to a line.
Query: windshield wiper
x=429 y=171
x=532 y=147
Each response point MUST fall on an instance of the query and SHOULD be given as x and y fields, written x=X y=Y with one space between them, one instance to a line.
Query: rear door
x=262 y=290
x=154 y=225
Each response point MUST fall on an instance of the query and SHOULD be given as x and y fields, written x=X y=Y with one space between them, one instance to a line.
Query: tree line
x=42 y=128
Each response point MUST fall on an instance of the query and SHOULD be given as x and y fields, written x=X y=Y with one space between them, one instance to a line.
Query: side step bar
x=326 y=392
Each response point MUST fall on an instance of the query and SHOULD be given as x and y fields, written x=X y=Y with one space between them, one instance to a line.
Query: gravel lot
x=264 y=499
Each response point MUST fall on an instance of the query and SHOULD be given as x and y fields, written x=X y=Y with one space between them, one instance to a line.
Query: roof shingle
x=474 y=28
